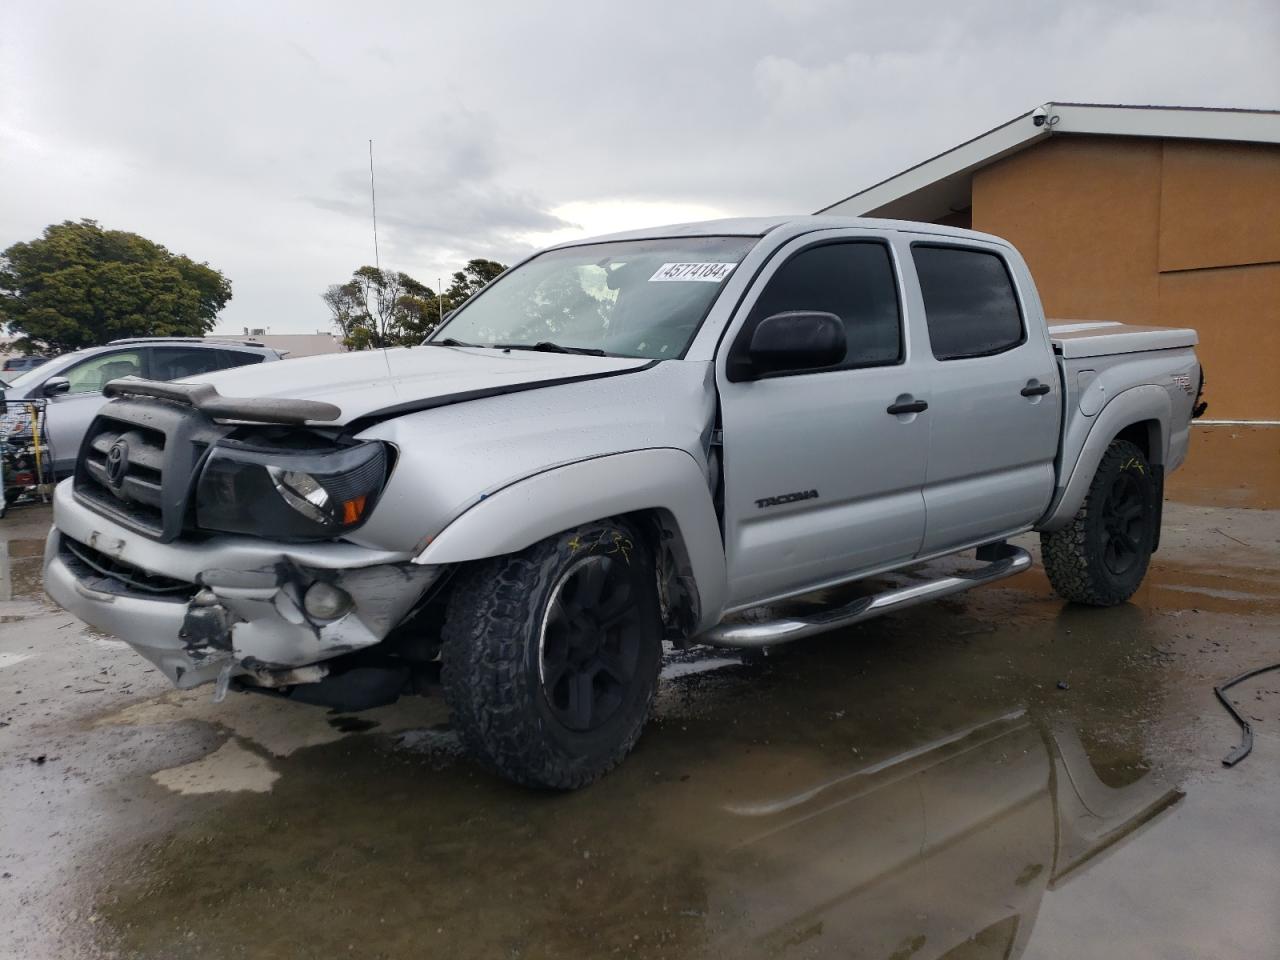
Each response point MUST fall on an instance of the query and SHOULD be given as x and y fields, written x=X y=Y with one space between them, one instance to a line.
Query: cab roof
x=789 y=226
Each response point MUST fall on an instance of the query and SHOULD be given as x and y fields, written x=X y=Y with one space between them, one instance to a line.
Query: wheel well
x=677 y=587
x=1145 y=435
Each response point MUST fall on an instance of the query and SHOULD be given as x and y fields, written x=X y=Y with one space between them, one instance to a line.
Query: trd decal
x=787 y=498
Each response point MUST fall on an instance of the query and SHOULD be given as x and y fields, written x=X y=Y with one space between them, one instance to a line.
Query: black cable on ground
x=1246 y=742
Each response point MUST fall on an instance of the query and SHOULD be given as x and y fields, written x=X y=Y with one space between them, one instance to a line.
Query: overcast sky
x=238 y=133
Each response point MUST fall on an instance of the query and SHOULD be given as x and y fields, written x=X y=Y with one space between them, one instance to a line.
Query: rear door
x=996 y=401
x=821 y=482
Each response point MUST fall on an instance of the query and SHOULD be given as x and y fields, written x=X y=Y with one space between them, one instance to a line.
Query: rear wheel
x=1101 y=556
x=550 y=656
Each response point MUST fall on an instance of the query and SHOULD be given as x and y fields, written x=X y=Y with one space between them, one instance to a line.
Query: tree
x=379 y=308
x=471 y=279
x=79 y=285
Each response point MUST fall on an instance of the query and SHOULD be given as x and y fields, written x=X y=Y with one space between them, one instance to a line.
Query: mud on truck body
x=619 y=443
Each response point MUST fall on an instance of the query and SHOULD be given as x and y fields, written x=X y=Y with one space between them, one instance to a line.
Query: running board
x=1005 y=561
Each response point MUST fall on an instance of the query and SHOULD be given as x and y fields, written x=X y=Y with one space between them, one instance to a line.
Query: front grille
x=139 y=461
x=124 y=466
x=113 y=575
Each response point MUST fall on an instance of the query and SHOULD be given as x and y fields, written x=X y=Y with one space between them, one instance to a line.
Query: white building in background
x=290 y=344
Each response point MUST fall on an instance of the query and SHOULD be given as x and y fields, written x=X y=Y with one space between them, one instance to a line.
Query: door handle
x=907 y=406
x=1034 y=389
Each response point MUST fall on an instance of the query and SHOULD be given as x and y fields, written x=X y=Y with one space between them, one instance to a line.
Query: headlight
x=289 y=495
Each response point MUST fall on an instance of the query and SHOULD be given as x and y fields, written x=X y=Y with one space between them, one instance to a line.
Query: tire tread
x=1073 y=568
x=492 y=607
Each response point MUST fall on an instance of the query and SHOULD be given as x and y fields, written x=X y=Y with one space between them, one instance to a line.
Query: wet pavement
x=995 y=775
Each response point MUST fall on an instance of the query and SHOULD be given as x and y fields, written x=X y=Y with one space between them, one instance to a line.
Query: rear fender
x=665 y=481
x=1138 y=404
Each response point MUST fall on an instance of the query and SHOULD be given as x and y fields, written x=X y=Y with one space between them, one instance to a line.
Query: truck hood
x=374 y=383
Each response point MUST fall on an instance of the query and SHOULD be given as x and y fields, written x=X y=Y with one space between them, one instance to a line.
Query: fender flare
x=665 y=479
x=1146 y=402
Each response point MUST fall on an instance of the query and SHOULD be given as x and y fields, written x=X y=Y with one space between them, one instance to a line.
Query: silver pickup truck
x=651 y=437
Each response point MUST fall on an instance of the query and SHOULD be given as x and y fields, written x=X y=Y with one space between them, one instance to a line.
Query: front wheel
x=550 y=657
x=1101 y=556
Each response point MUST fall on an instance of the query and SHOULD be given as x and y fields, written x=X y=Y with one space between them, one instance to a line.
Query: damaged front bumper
x=224 y=606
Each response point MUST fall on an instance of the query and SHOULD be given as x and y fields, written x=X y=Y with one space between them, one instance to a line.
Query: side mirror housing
x=795 y=341
x=56 y=386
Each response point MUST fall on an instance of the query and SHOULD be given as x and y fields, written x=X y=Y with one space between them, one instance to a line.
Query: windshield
x=638 y=298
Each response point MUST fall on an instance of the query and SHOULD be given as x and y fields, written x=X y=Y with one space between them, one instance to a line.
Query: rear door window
x=174 y=363
x=969 y=301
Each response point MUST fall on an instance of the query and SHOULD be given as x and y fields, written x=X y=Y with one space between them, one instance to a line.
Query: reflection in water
x=942 y=851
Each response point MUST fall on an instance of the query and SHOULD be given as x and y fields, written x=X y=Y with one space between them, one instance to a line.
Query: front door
x=996 y=401
x=821 y=481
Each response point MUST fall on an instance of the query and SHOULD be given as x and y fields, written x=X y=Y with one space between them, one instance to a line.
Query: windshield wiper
x=546 y=346
x=450 y=342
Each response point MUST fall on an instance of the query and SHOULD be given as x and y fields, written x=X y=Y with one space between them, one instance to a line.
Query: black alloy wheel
x=1124 y=519
x=590 y=642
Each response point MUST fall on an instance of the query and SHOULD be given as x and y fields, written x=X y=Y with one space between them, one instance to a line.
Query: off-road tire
x=1076 y=556
x=492 y=661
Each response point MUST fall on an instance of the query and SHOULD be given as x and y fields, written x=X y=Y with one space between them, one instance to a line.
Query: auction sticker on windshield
x=710 y=272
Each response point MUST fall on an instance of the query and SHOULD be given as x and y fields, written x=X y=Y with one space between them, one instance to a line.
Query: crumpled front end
x=227 y=606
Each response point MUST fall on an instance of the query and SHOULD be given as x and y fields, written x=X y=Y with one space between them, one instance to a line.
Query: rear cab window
x=970 y=305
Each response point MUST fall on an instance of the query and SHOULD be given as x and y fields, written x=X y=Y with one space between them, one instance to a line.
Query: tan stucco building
x=1141 y=214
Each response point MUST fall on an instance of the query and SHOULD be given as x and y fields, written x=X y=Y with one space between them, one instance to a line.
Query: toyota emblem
x=117 y=462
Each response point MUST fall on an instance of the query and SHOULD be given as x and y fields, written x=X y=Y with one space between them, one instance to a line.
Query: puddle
x=916 y=780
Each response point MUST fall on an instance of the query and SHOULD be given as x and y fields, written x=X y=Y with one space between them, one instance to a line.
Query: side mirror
x=798 y=340
x=56 y=386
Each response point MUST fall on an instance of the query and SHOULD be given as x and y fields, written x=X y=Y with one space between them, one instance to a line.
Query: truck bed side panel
x=1106 y=393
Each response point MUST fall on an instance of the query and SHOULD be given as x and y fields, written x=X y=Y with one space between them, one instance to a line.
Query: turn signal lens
x=353 y=510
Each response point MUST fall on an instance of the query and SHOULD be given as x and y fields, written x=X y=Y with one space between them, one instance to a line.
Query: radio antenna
x=373 y=202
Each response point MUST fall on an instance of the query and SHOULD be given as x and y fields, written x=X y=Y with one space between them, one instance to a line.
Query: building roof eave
x=943 y=184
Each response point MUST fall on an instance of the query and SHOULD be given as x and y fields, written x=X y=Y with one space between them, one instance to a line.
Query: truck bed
x=1073 y=339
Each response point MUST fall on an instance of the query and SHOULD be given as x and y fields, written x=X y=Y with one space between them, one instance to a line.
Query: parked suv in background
x=73 y=383
x=16 y=365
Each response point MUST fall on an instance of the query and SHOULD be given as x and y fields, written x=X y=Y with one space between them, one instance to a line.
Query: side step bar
x=1004 y=561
